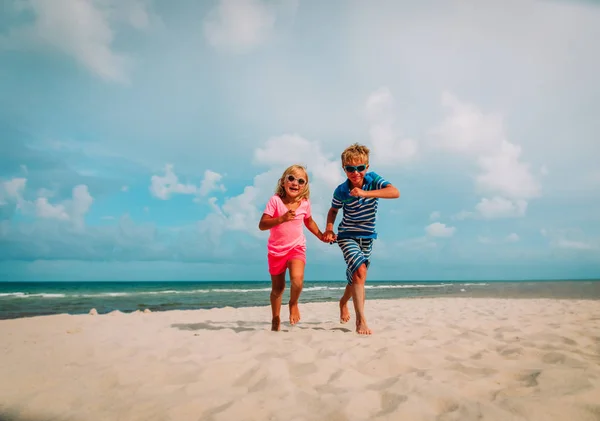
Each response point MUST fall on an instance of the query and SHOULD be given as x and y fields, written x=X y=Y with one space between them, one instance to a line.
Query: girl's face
x=294 y=183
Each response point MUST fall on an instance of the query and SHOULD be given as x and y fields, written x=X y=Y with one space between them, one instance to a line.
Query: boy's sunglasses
x=291 y=179
x=352 y=168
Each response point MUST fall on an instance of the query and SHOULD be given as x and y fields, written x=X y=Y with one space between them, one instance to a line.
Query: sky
x=141 y=139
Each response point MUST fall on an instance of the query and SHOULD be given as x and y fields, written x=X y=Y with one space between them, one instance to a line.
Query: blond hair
x=355 y=152
x=280 y=190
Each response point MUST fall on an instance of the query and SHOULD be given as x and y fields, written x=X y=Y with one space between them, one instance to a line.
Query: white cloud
x=572 y=244
x=389 y=148
x=12 y=190
x=45 y=209
x=241 y=25
x=210 y=183
x=468 y=131
x=573 y=239
x=504 y=173
x=437 y=229
x=82 y=29
x=80 y=205
x=512 y=238
x=282 y=151
x=162 y=187
x=499 y=207
x=73 y=210
x=435 y=215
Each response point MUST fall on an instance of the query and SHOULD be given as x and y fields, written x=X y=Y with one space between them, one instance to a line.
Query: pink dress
x=286 y=240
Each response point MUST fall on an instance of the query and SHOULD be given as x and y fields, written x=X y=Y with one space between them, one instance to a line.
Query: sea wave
x=115 y=294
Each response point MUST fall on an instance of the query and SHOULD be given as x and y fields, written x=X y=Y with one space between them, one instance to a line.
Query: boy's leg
x=357 y=253
x=277 y=287
x=296 y=268
x=344 y=313
x=358 y=298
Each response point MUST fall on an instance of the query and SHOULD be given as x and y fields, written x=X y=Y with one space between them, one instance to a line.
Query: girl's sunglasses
x=352 y=168
x=291 y=179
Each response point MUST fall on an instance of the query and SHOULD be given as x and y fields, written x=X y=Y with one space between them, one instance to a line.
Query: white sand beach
x=428 y=359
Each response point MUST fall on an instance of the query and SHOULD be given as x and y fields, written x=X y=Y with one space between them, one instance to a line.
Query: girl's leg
x=296 y=267
x=277 y=287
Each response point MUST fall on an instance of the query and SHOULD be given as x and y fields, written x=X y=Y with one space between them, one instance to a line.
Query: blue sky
x=141 y=139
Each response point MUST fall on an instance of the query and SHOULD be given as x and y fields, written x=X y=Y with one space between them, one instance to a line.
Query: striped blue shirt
x=360 y=213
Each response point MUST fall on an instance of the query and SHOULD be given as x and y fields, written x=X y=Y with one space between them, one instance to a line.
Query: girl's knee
x=277 y=290
x=297 y=280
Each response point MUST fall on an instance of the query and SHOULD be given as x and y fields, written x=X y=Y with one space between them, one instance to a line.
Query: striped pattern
x=356 y=252
x=360 y=214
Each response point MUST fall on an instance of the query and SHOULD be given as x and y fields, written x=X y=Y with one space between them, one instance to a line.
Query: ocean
x=26 y=299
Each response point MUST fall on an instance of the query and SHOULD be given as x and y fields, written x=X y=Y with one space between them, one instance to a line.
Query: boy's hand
x=288 y=216
x=328 y=236
x=357 y=192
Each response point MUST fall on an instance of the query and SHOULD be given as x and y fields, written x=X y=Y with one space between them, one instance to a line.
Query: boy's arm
x=329 y=235
x=313 y=227
x=387 y=192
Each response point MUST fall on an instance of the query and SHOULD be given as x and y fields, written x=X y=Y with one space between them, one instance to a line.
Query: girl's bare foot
x=344 y=313
x=362 y=328
x=294 y=314
x=275 y=323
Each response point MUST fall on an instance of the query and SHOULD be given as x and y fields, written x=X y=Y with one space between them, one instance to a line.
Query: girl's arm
x=267 y=222
x=312 y=227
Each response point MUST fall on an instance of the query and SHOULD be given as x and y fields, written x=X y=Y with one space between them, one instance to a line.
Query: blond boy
x=358 y=196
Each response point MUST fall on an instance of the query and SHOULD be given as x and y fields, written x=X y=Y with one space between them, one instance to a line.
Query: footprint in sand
x=384 y=384
x=446 y=405
x=554 y=358
x=390 y=402
x=510 y=352
x=529 y=377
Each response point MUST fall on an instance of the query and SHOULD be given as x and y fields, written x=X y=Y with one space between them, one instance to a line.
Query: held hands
x=358 y=192
x=329 y=237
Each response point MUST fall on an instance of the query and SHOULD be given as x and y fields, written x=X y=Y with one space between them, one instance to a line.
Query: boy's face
x=355 y=170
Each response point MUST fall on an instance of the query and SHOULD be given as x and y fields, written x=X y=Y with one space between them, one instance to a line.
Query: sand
x=428 y=359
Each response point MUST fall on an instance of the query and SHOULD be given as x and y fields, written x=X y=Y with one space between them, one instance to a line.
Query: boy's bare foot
x=294 y=314
x=344 y=313
x=362 y=328
x=275 y=323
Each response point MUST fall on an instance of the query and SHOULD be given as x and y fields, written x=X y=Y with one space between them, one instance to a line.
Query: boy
x=358 y=196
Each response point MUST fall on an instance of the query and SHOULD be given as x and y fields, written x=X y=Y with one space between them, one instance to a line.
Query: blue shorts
x=356 y=252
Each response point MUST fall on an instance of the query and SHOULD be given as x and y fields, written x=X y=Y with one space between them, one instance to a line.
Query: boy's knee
x=360 y=276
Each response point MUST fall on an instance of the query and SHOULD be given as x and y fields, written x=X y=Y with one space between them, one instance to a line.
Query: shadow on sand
x=243 y=326
x=14 y=416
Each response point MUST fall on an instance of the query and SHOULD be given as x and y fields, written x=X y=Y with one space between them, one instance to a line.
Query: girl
x=283 y=215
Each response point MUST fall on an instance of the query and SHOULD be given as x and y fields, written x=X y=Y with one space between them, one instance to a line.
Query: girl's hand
x=328 y=237
x=288 y=216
